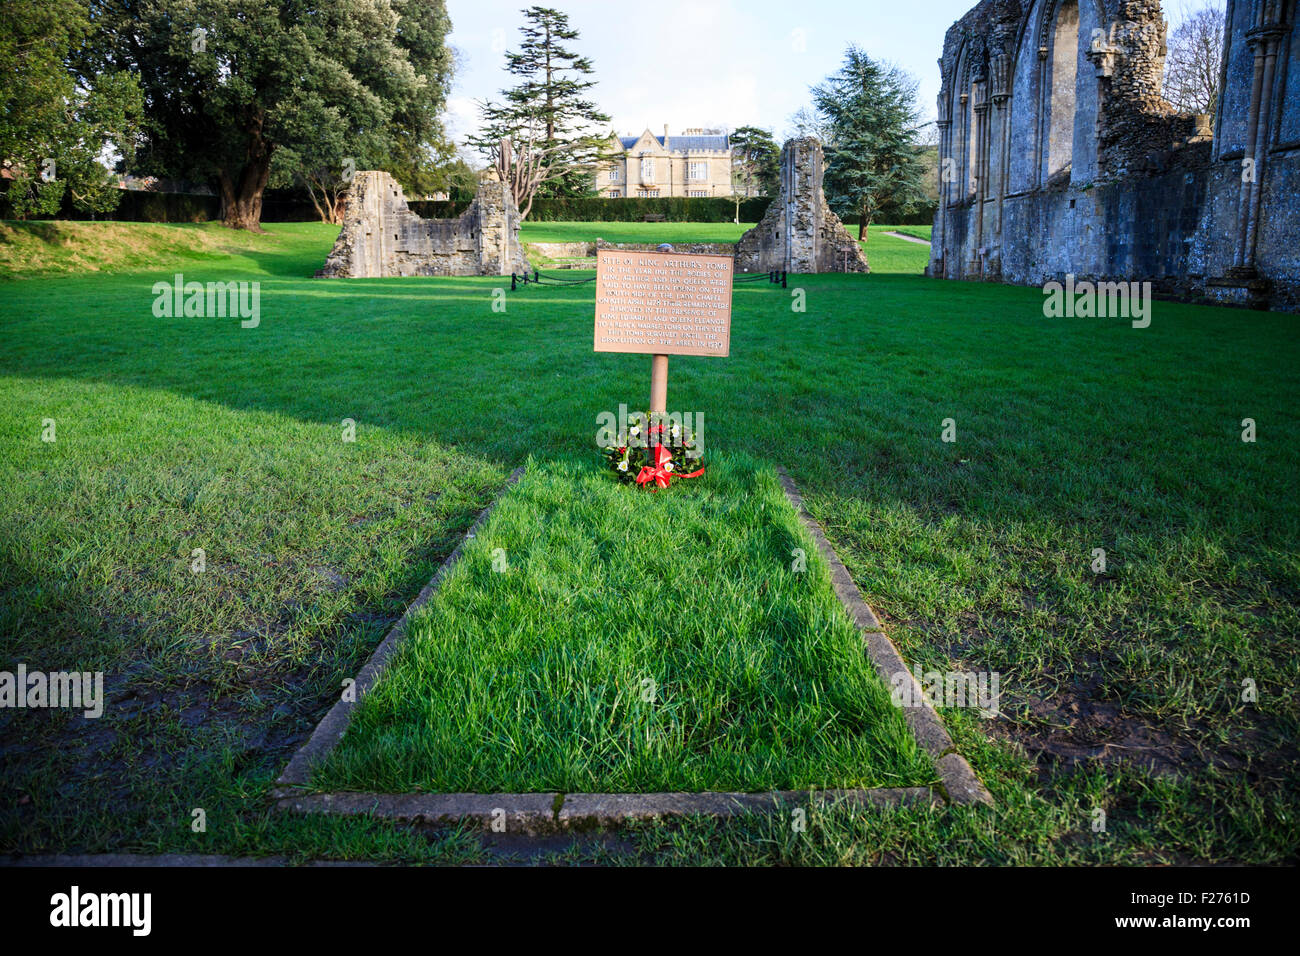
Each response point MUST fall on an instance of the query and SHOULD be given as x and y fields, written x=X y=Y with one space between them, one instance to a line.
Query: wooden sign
x=663 y=303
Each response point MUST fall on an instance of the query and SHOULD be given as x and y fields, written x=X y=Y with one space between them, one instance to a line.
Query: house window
x=615 y=174
x=697 y=193
x=647 y=193
x=647 y=170
x=697 y=172
x=615 y=193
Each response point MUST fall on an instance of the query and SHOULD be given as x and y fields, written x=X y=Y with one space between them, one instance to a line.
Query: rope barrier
x=537 y=278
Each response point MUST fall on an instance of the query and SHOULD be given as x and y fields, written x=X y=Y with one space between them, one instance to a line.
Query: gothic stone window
x=1064 y=65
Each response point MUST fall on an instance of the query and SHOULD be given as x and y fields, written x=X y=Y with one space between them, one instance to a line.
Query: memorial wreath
x=651 y=457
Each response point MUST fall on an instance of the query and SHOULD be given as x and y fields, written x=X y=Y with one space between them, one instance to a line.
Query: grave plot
x=597 y=638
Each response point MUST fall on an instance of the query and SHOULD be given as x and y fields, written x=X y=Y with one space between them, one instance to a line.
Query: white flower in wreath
x=622 y=466
x=668 y=466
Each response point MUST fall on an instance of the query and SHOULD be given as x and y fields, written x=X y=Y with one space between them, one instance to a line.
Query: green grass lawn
x=597 y=638
x=1122 y=691
x=918 y=232
x=885 y=253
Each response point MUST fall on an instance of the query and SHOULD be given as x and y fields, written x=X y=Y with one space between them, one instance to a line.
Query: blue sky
x=705 y=62
x=710 y=63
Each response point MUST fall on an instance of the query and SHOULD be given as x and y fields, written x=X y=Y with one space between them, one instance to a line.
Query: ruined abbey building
x=382 y=237
x=1058 y=154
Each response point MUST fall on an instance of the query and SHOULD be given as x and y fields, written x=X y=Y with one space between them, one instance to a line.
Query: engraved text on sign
x=663 y=303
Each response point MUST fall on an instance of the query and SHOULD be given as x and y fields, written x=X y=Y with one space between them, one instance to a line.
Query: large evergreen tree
x=326 y=144
x=868 y=113
x=756 y=161
x=228 y=83
x=53 y=129
x=551 y=123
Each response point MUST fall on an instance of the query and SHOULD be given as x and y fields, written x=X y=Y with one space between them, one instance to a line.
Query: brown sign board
x=663 y=303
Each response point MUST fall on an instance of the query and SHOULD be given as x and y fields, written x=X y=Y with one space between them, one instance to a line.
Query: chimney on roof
x=665 y=130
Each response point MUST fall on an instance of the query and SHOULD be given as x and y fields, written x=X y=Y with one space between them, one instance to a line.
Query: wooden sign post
x=659 y=383
x=662 y=304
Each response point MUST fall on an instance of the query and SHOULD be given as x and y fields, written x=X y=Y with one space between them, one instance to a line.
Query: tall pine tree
x=868 y=114
x=552 y=125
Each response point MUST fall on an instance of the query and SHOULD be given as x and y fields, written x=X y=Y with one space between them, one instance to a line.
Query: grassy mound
x=32 y=249
x=597 y=637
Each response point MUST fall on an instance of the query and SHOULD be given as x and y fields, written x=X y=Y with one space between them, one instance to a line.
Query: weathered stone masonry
x=382 y=237
x=1059 y=155
x=799 y=232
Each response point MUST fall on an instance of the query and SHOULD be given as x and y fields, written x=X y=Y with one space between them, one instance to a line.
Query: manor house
x=697 y=163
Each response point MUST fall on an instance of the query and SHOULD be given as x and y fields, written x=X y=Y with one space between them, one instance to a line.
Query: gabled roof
x=630 y=141
x=680 y=144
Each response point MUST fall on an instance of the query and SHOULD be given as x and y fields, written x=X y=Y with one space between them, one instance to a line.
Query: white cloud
x=461 y=117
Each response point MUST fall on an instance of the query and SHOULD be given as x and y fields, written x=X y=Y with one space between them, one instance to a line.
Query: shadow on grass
x=1071 y=435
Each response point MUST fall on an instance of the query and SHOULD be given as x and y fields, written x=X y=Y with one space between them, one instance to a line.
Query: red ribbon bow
x=660 y=475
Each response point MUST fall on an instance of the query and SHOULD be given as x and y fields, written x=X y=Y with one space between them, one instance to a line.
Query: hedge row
x=634 y=209
x=674 y=209
x=438 y=208
x=289 y=206
x=141 y=206
x=596 y=209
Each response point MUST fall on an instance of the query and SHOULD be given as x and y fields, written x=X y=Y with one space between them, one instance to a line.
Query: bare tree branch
x=1194 y=60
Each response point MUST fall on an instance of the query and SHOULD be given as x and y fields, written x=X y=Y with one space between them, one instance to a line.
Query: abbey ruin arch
x=1040 y=176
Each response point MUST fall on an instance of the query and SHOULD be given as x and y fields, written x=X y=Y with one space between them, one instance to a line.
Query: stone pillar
x=495 y=207
x=979 y=164
x=1265 y=39
x=1043 y=117
x=799 y=232
x=939 y=242
x=1000 y=74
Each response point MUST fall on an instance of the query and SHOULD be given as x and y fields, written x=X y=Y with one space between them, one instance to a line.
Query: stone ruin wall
x=799 y=232
x=1102 y=178
x=382 y=237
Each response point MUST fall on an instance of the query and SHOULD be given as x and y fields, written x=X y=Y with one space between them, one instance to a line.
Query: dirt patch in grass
x=1073 y=728
x=1077 y=728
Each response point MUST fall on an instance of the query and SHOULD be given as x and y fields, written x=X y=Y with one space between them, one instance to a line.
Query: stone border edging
x=955 y=773
x=330 y=730
x=533 y=813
